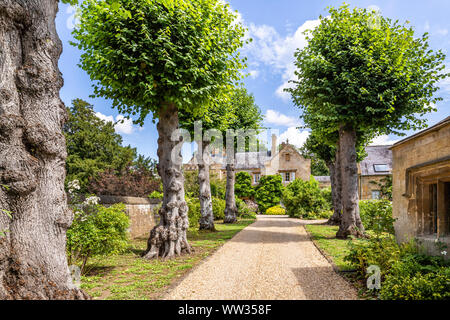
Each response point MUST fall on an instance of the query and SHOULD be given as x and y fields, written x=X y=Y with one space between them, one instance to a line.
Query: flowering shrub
x=276 y=211
x=96 y=230
x=268 y=192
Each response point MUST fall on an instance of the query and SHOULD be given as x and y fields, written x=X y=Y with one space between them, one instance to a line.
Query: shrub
x=194 y=213
x=268 y=192
x=218 y=208
x=97 y=230
x=243 y=187
x=276 y=211
x=192 y=188
x=326 y=194
x=376 y=215
x=218 y=186
x=304 y=199
x=132 y=183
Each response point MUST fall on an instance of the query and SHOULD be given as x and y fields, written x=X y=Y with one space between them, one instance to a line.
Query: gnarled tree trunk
x=33 y=263
x=169 y=237
x=206 y=208
x=230 y=206
x=350 y=220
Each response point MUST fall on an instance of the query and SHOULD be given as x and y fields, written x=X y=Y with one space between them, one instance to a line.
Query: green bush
x=276 y=211
x=376 y=215
x=268 y=192
x=192 y=188
x=99 y=231
x=194 y=213
x=304 y=199
x=218 y=208
x=406 y=274
x=243 y=187
x=326 y=194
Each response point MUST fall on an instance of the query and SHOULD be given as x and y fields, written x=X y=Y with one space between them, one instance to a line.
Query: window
x=256 y=177
x=381 y=168
x=288 y=176
x=288 y=157
x=376 y=194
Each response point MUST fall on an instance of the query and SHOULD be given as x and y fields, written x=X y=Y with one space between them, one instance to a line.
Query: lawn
x=128 y=276
x=324 y=237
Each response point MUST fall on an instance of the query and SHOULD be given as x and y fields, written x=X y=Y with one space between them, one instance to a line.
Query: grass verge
x=129 y=277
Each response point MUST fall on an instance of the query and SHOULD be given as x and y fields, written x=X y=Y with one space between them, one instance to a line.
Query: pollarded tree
x=161 y=57
x=361 y=71
x=214 y=121
x=247 y=119
x=33 y=263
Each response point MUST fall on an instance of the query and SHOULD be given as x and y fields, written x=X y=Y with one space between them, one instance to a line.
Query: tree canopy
x=366 y=71
x=145 y=53
x=93 y=145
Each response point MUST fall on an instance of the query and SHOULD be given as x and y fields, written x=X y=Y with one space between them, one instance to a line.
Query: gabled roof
x=437 y=126
x=377 y=155
x=251 y=160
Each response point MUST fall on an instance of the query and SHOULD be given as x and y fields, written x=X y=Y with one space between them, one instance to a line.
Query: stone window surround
x=418 y=180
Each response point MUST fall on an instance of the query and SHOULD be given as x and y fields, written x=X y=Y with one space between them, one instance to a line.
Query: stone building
x=372 y=170
x=421 y=187
x=286 y=161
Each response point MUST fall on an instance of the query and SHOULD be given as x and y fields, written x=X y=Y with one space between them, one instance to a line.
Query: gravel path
x=271 y=259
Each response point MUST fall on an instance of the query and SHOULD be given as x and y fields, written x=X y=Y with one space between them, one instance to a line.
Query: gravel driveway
x=271 y=259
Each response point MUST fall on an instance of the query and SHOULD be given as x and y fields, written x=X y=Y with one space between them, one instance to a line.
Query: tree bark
x=334 y=168
x=350 y=220
x=206 y=208
x=169 y=238
x=33 y=263
x=230 y=206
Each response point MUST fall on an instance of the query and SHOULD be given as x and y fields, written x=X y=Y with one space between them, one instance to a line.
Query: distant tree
x=243 y=187
x=162 y=57
x=93 y=146
x=363 y=72
x=319 y=167
x=268 y=192
x=385 y=185
x=247 y=116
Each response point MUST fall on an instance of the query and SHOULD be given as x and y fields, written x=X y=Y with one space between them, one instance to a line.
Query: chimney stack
x=274 y=145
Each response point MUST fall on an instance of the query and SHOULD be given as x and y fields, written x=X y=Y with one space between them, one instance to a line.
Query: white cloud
x=442 y=32
x=374 y=8
x=383 y=140
x=122 y=125
x=295 y=136
x=271 y=49
x=254 y=74
x=279 y=119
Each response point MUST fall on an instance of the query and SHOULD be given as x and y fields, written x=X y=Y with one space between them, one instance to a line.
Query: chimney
x=274 y=145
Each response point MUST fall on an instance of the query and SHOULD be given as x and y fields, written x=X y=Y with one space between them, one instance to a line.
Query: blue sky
x=276 y=27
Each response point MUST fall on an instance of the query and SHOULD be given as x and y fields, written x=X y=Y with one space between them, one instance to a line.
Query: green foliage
x=192 y=188
x=243 y=187
x=98 y=231
x=367 y=72
x=376 y=215
x=143 y=54
x=194 y=213
x=276 y=211
x=406 y=274
x=218 y=208
x=319 y=167
x=385 y=186
x=304 y=199
x=156 y=195
x=268 y=192
x=218 y=186
x=93 y=145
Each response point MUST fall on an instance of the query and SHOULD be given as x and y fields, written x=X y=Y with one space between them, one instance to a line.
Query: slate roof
x=251 y=160
x=323 y=179
x=376 y=155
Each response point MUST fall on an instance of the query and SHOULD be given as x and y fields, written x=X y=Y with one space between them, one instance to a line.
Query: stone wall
x=142 y=213
x=366 y=187
x=419 y=161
